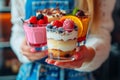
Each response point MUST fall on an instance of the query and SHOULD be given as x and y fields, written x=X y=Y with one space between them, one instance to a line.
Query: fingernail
x=32 y=50
x=56 y=63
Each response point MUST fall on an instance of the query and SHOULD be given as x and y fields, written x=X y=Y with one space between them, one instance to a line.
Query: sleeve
x=17 y=34
x=100 y=37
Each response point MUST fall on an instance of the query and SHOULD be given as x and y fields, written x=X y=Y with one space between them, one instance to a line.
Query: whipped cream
x=62 y=36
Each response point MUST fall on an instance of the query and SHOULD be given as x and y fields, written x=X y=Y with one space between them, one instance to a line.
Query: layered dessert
x=62 y=38
x=52 y=13
x=35 y=30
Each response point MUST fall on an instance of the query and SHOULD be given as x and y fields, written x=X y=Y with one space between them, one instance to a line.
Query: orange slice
x=77 y=21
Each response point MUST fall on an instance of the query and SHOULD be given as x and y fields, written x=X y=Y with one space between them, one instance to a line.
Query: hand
x=82 y=55
x=31 y=55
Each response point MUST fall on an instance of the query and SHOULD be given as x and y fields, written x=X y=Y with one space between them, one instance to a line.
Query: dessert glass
x=35 y=35
x=85 y=22
x=61 y=44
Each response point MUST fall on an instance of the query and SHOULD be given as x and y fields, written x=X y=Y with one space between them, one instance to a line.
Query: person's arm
x=17 y=34
x=100 y=38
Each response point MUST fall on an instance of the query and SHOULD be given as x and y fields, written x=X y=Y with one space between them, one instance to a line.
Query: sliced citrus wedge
x=77 y=21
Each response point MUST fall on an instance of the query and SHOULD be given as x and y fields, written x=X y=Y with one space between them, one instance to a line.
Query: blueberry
x=54 y=29
x=76 y=28
x=49 y=26
x=31 y=25
x=40 y=16
x=60 y=30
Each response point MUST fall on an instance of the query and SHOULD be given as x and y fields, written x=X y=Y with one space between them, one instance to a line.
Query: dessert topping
x=68 y=25
x=33 y=20
x=80 y=13
x=77 y=22
x=40 y=19
x=57 y=23
x=45 y=19
x=40 y=16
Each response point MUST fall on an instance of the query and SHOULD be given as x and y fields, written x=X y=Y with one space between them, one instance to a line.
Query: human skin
x=31 y=54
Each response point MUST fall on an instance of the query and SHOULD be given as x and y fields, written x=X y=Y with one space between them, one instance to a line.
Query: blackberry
x=40 y=16
x=80 y=13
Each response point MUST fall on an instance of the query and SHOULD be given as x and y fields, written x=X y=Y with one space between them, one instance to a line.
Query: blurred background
x=9 y=64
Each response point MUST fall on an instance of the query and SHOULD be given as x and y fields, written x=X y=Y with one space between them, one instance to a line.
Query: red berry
x=33 y=20
x=45 y=19
x=57 y=23
x=68 y=25
x=41 y=21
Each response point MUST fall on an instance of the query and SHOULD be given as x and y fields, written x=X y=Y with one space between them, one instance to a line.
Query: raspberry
x=41 y=21
x=68 y=25
x=57 y=23
x=45 y=19
x=33 y=20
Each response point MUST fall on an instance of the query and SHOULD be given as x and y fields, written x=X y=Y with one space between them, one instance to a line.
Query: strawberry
x=41 y=21
x=68 y=25
x=33 y=20
x=45 y=19
x=57 y=23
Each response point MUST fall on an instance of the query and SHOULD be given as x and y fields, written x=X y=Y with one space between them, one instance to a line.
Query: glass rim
x=34 y=25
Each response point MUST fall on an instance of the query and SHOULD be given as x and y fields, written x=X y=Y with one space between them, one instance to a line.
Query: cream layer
x=62 y=45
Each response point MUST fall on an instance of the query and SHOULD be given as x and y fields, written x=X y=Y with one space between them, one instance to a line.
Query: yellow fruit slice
x=77 y=21
x=85 y=21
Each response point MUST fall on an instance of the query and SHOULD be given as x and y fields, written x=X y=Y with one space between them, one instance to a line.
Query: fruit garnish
x=68 y=25
x=40 y=16
x=33 y=20
x=60 y=30
x=77 y=21
x=80 y=13
x=49 y=26
x=41 y=21
x=57 y=23
x=45 y=19
x=75 y=10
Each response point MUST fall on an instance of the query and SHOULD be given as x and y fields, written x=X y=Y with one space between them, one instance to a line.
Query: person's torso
x=37 y=71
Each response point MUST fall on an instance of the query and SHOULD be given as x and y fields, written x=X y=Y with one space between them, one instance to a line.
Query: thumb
x=77 y=56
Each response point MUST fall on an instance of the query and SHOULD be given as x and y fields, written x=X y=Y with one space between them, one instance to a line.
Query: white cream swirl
x=62 y=36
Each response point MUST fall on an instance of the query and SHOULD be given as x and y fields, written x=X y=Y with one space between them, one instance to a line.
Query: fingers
x=50 y=61
x=70 y=64
x=37 y=56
